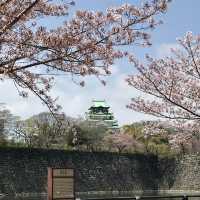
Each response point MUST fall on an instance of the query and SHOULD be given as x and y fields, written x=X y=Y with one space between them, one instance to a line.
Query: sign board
x=61 y=184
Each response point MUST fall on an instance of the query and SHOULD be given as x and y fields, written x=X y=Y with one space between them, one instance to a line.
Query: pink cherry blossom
x=174 y=86
x=86 y=44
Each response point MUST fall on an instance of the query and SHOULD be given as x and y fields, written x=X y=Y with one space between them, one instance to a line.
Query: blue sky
x=182 y=16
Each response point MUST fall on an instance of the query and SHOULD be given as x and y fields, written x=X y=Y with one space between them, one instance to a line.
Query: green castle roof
x=97 y=103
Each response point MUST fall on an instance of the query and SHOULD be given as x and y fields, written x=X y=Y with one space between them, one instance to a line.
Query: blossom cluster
x=173 y=84
x=86 y=44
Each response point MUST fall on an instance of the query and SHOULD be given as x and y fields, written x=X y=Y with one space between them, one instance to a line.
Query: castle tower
x=99 y=112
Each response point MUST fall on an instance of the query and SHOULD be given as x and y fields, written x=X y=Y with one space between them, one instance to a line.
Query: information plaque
x=61 y=184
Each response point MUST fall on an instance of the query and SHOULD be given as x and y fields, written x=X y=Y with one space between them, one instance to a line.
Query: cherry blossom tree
x=173 y=81
x=86 y=44
x=7 y=123
x=181 y=141
x=173 y=85
x=121 y=142
x=179 y=137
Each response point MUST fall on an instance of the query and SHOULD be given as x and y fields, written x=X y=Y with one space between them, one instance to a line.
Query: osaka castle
x=99 y=112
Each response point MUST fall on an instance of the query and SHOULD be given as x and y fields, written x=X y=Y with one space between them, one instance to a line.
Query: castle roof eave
x=98 y=107
x=99 y=103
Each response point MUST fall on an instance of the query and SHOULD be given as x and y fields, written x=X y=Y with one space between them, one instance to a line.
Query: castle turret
x=99 y=112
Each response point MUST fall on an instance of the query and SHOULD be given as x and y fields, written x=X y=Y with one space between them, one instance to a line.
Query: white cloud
x=75 y=100
x=164 y=49
x=18 y=105
x=115 y=69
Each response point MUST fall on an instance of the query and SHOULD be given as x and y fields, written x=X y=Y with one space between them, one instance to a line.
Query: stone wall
x=181 y=173
x=25 y=171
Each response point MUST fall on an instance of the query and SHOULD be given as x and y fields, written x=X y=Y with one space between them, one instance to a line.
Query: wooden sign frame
x=52 y=177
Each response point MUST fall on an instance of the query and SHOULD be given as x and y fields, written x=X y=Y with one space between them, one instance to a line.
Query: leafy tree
x=134 y=129
x=7 y=123
x=43 y=131
x=87 y=135
x=158 y=145
x=154 y=139
x=2 y=129
x=86 y=44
